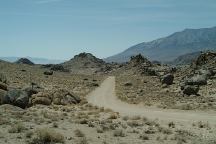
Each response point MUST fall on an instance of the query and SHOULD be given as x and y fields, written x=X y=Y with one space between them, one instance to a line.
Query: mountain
x=186 y=58
x=169 y=48
x=34 y=60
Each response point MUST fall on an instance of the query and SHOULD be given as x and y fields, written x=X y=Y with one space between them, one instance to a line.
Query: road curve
x=104 y=96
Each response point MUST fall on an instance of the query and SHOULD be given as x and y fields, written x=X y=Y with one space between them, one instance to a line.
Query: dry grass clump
x=144 y=137
x=150 y=130
x=113 y=116
x=135 y=123
x=17 y=128
x=4 y=121
x=49 y=115
x=119 y=133
x=46 y=136
x=171 y=125
x=83 y=141
x=165 y=130
x=79 y=133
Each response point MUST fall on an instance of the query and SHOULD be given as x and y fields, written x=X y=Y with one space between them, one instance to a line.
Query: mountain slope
x=186 y=58
x=169 y=48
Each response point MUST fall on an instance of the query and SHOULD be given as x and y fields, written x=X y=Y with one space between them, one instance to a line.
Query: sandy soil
x=104 y=96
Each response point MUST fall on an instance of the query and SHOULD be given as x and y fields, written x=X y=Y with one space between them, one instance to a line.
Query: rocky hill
x=169 y=48
x=84 y=63
x=24 y=61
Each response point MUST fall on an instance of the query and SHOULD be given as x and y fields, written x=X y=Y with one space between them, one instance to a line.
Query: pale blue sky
x=59 y=29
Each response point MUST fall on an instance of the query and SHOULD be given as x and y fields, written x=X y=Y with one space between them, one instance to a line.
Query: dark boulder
x=48 y=73
x=16 y=97
x=190 y=90
x=58 y=67
x=167 y=79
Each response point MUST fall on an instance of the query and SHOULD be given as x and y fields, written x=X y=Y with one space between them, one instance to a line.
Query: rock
x=63 y=97
x=94 y=85
x=149 y=71
x=58 y=67
x=191 y=90
x=128 y=84
x=167 y=79
x=2 y=95
x=206 y=73
x=139 y=60
x=3 y=86
x=44 y=98
x=48 y=73
x=33 y=89
x=16 y=97
x=196 y=80
x=30 y=91
x=58 y=97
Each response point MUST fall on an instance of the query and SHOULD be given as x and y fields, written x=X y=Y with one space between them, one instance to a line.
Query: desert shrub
x=55 y=125
x=29 y=134
x=144 y=137
x=125 y=118
x=150 y=130
x=46 y=136
x=134 y=123
x=4 y=121
x=171 y=124
x=203 y=125
x=113 y=116
x=17 y=128
x=119 y=133
x=165 y=130
x=79 y=133
x=100 y=130
x=83 y=141
x=135 y=118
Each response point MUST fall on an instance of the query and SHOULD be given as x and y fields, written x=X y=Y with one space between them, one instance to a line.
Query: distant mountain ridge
x=34 y=60
x=169 y=48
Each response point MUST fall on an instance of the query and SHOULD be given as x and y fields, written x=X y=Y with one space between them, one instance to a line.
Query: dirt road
x=105 y=96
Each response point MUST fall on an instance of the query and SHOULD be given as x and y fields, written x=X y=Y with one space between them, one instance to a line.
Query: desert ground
x=119 y=104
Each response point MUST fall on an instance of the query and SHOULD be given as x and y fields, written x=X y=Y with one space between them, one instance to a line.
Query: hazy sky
x=59 y=29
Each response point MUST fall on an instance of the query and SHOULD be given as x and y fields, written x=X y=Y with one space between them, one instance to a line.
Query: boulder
x=196 y=80
x=63 y=97
x=58 y=97
x=48 y=73
x=191 y=90
x=44 y=98
x=167 y=79
x=58 y=67
x=3 y=86
x=16 y=97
